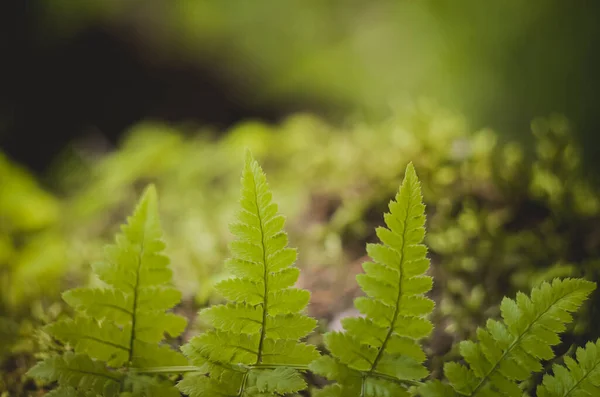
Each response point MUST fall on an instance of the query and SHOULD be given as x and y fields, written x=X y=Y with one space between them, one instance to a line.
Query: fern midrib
x=100 y=375
x=118 y=308
x=135 y=296
x=386 y=377
x=299 y=367
x=102 y=341
x=248 y=350
x=397 y=306
x=243 y=384
x=485 y=379
x=265 y=271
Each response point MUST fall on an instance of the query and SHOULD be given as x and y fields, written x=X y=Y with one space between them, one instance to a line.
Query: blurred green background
x=494 y=102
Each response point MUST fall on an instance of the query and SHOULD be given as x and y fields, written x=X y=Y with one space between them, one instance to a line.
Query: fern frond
x=253 y=348
x=379 y=354
x=509 y=352
x=124 y=323
x=577 y=378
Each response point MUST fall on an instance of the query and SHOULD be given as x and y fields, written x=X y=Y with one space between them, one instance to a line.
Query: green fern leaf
x=143 y=385
x=334 y=390
x=436 y=388
x=70 y=392
x=103 y=341
x=579 y=378
x=276 y=381
x=508 y=352
x=80 y=372
x=253 y=348
x=379 y=354
x=202 y=386
x=123 y=324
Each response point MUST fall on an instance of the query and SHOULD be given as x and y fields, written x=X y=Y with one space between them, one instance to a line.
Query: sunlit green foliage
x=494 y=228
x=328 y=178
x=121 y=324
x=253 y=349
x=501 y=219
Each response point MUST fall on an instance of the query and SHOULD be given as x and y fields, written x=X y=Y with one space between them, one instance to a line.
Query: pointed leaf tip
x=150 y=190
x=410 y=170
x=249 y=157
x=149 y=195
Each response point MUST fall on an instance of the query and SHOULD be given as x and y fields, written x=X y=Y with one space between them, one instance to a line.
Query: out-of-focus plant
x=328 y=178
x=32 y=264
x=366 y=54
x=31 y=255
x=523 y=223
x=23 y=342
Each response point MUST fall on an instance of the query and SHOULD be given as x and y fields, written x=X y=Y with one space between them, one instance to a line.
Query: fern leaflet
x=80 y=372
x=379 y=354
x=507 y=353
x=122 y=324
x=253 y=348
x=579 y=378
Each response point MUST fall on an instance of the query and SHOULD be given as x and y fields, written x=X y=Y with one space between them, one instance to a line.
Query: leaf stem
x=243 y=385
x=265 y=275
x=190 y=368
x=273 y=366
x=396 y=380
x=135 y=299
x=166 y=370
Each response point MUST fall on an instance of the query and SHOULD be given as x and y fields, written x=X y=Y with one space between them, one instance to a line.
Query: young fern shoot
x=253 y=348
x=120 y=326
x=379 y=354
x=509 y=352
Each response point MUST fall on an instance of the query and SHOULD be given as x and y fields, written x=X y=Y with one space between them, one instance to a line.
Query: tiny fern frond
x=122 y=324
x=576 y=378
x=509 y=352
x=379 y=354
x=253 y=348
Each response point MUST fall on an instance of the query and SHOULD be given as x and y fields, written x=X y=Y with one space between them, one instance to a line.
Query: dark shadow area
x=95 y=82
